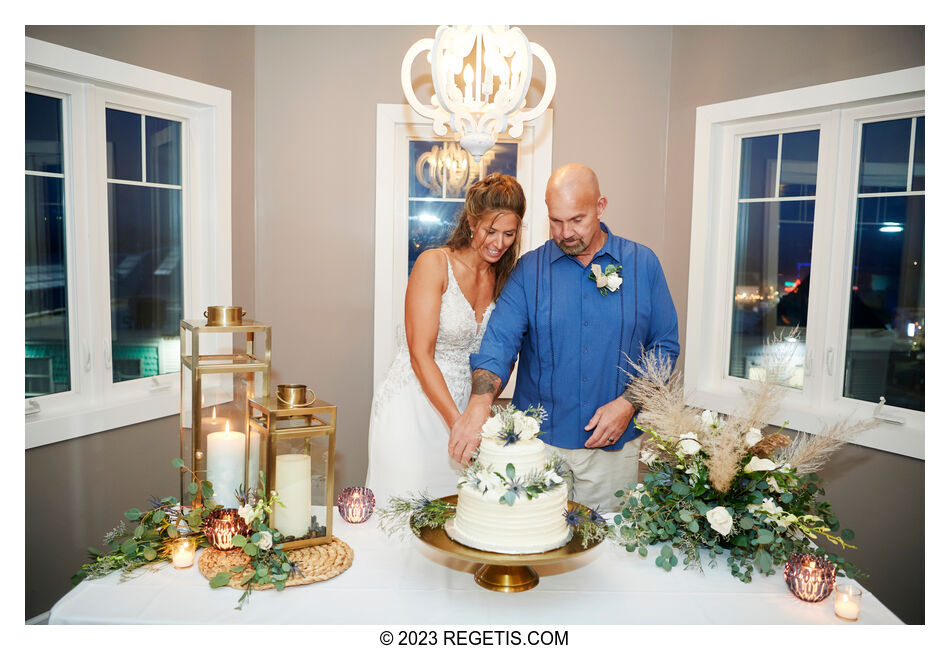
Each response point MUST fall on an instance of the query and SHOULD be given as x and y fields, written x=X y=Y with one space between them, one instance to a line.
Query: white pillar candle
x=292 y=482
x=226 y=464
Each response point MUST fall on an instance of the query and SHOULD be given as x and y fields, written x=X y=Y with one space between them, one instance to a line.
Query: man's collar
x=611 y=247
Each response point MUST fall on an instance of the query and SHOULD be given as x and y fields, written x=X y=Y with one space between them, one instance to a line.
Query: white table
x=395 y=581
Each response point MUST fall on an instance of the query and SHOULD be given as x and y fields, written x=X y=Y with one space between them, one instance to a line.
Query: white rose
x=708 y=418
x=759 y=464
x=614 y=281
x=648 y=456
x=601 y=281
x=720 y=520
x=493 y=426
x=246 y=512
x=753 y=437
x=552 y=477
x=529 y=428
x=769 y=506
x=689 y=446
x=266 y=541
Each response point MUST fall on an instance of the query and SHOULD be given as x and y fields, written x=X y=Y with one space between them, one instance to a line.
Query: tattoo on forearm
x=485 y=382
x=628 y=395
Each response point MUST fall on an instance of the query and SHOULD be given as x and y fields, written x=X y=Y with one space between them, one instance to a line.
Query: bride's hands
x=466 y=434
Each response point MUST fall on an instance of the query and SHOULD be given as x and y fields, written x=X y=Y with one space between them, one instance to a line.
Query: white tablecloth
x=395 y=581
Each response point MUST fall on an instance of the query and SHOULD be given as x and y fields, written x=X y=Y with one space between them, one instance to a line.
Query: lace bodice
x=460 y=335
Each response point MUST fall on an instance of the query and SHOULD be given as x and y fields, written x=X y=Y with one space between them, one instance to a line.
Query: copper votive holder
x=221 y=526
x=355 y=504
x=809 y=577
x=219 y=315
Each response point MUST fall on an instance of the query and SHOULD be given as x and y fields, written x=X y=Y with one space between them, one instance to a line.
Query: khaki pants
x=597 y=474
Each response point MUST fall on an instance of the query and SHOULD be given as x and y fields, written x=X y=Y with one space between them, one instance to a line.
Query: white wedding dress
x=408 y=439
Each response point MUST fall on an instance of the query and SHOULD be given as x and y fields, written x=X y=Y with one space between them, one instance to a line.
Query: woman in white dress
x=449 y=299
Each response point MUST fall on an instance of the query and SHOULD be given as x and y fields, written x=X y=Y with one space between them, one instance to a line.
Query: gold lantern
x=297 y=446
x=225 y=360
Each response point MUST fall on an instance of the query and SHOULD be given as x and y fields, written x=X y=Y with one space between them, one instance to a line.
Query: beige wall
x=716 y=64
x=78 y=489
x=625 y=105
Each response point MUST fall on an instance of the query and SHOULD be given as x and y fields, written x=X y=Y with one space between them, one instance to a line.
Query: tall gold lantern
x=297 y=447
x=225 y=361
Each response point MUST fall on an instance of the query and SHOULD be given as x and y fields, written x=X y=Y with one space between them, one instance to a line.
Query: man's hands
x=609 y=422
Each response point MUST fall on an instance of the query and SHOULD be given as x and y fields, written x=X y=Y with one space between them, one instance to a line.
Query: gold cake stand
x=502 y=571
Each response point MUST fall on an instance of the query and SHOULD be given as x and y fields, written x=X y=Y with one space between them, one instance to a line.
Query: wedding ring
x=610 y=440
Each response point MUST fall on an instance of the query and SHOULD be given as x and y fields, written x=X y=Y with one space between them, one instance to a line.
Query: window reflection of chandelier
x=449 y=170
x=481 y=75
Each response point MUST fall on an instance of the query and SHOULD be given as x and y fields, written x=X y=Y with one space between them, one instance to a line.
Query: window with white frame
x=127 y=205
x=808 y=226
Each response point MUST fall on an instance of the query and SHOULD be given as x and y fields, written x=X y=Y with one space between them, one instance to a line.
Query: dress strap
x=448 y=262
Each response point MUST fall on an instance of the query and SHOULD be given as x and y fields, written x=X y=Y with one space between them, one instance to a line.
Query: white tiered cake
x=513 y=499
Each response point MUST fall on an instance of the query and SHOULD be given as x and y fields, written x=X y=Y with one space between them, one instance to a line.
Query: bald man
x=572 y=332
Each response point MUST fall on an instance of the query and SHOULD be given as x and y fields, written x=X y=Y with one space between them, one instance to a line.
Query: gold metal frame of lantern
x=283 y=428
x=250 y=372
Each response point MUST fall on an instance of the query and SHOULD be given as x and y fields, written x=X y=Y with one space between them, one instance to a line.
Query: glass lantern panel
x=301 y=475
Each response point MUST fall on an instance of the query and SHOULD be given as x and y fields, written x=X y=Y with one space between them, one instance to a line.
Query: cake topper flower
x=510 y=425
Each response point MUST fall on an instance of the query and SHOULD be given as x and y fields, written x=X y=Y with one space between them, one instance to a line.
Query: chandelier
x=481 y=75
x=449 y=170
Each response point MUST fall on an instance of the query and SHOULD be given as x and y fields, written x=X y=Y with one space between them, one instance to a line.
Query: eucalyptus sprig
x=154 y=531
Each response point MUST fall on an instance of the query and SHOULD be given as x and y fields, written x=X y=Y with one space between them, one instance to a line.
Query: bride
x=449 y=299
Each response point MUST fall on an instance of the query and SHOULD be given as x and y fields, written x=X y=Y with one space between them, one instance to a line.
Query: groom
x=572 y=332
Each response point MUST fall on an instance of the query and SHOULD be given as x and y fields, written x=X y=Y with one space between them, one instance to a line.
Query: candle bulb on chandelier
x=468 y=76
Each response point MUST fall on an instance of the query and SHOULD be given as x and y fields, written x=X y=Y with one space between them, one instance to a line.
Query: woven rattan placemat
x=317 y=563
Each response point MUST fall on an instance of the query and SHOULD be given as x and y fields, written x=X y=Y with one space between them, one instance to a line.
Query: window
x=808 y=224
x=127 y=201
x=440 y=174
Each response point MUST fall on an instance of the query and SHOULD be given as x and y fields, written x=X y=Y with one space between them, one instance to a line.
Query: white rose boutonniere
x=266 y=540
x=608 y=279
x=758 y=465
x=689 y=444
x=719 y=520
x=753 y=437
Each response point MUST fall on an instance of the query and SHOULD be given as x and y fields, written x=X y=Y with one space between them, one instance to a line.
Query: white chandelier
x=491 y=95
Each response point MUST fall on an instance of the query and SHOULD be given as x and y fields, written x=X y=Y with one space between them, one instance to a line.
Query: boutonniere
x=607 y=280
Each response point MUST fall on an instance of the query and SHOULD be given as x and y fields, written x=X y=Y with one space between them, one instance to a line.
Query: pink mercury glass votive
x=355 y=504
x=809 y=577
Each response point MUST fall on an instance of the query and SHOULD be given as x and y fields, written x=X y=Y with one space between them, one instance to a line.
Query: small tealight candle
x=847 y=602
x=183 y=552
x=355 y=504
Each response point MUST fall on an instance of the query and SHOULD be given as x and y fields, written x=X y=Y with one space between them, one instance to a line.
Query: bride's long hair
x=486 y=199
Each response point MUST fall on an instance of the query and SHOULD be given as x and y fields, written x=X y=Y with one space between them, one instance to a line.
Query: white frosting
x=530 y=525
x=526 y=455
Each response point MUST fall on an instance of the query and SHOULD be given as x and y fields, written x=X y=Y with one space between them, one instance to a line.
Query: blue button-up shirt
x=572 y=340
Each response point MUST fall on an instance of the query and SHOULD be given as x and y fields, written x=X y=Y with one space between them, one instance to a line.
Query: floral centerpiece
x=720 y=484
